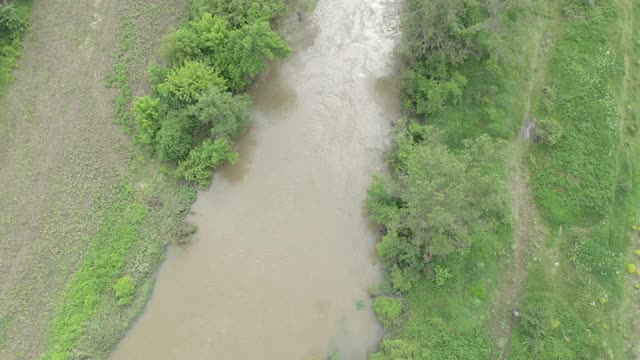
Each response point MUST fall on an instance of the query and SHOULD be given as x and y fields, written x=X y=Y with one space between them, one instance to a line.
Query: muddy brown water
x=284 y=254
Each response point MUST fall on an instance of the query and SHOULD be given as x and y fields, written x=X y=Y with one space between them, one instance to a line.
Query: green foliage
x=398 y=349
x=248 y=49
x=383 y=207
x=147 y=114
x=174 y=140
x=432 y=95
x=584 y=181
x=118 y=231
x=437 y=210
x=388 y=309
x=205 y=38
x=186 y=83
x=240 y=12
x=446 y=31
x=445 y=209
x=14 y=23
x=202 y=160
x=583 y=104
x=190 y=118
x=124 y=288
x=224 y=114
x=239 y=53
x=549 y=130
x=442 y=275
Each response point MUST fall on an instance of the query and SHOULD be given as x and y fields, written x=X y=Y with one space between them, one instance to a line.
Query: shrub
x=124 y=288
x=184 y=84
x=173 y=140
x=248 y=49
x=388 y=309
x=549 y=130
x=631 y=268
x=147 y=119
x=12 y=25
x=226 y=115
x=204 y=159
x=383 y=207
x=442 y=275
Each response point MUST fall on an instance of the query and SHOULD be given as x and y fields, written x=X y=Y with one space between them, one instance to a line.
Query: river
x=284 y=253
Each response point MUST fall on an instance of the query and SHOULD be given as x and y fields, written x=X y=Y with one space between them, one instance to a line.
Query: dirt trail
x=630 y=304
x=528 y=229
x=58 y=150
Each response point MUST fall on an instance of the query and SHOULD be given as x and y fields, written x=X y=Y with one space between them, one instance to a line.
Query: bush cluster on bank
x=446 y=221
x=444 y=208
x=196 y=107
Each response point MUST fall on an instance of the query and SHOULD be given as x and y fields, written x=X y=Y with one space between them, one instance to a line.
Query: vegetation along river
x=284 y=253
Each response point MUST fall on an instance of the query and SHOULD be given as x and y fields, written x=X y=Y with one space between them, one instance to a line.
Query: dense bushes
x=195 y=109
x=445 y=211
x=13 y=25
x=438 y=202
x=446 y=220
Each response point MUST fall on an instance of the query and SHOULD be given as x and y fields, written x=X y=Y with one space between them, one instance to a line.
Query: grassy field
x=586 y=186
x=65 y=190
x=562 y=261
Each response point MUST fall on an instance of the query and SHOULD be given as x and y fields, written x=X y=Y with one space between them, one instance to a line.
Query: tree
x=206 y=37
x=205 y=158
x=240 y=12
x=226 y=115
x=452 y=197
x=12 y=25
x=249 y=47
x=184 y=84
x=449 y=31
x=174 y=139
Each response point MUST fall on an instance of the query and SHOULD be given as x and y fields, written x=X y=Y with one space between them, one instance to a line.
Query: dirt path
x=59 y=150
x=630 y=304
x=528 y=229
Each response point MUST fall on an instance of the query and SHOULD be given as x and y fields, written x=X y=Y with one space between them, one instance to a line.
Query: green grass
x=141 y=216
x=451 y=319
x=587 y=183
x=10 y=51
x=119 y=229
x=581 y=98
x=584 y=181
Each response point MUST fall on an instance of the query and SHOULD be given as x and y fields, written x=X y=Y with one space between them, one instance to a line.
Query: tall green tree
x=452 y=197
x=184 y=84
x=249 y=48
x=224 y=114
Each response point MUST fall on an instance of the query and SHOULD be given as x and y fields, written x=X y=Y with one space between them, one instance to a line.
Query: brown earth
x=60 y=154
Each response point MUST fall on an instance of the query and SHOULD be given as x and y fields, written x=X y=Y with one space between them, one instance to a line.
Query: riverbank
x=282 y=259
x=557 y=254
x=147 y=208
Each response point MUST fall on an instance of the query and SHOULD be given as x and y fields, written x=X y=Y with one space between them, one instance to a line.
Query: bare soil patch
x=59 y=150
